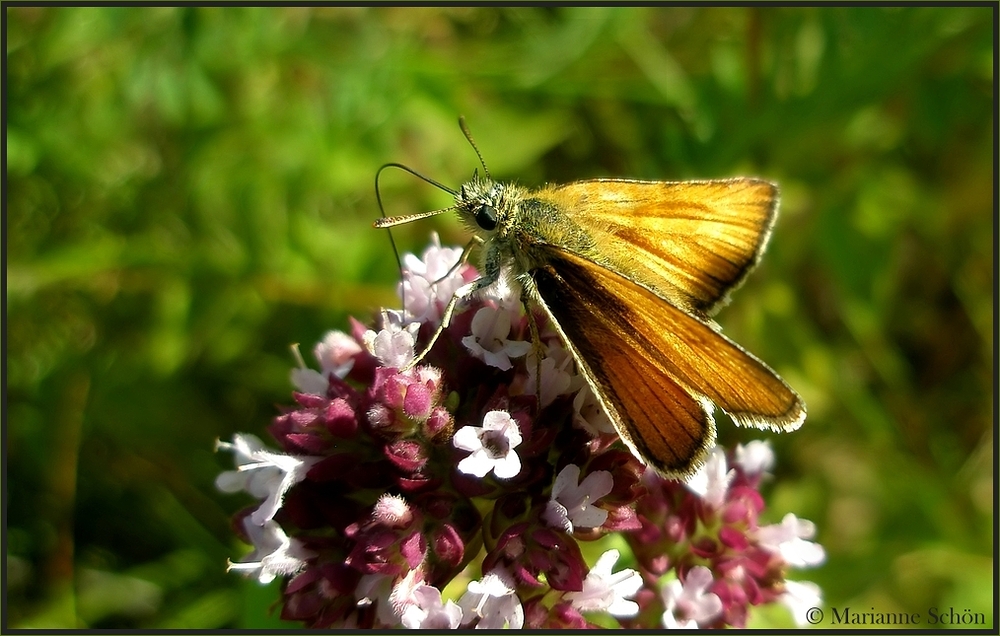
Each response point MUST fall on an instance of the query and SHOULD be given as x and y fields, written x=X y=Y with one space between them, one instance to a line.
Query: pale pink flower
x=688 y=605
x=263 y=473
x=489 y=343
x=494 y=601
x=335 y=353
x=556 y=380
x=571 y=503
x=788 y=539
x=426 y=610
x=607 y=591
x=430 y=282
x=393 y=345
x=800 y=597
x=756 y=458
x=712 y=480
x=274 y=553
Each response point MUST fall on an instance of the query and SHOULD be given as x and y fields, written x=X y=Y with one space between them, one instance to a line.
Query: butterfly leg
x=536 y=346
x=462 y=292
x=449 y=309
x=462 y=260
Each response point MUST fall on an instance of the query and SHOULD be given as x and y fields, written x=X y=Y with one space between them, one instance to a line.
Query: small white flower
x=431 y=281
x=604 y=591
x=335 y=353
x=419 y=298
x=712 y=480
x=505 y=291
x=376 y=589
x=426 y=611
x=492 y=446
x=489 y=343
x=309 y=381
x=401 y=595
x=688 y=604
x=800 y=597
x=274 y=554
x=788 y=539
x=493 y=600
x=393 y=345
x=571 y=505
x=556 y=380
x=264 y=474
x=756 y=458
x=306 y=380
x=589 y=415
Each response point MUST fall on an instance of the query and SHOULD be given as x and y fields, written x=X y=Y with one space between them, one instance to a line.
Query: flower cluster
x=457 y=491
x=707 y=532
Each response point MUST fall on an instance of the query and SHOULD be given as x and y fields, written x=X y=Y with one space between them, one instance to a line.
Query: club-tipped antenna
x=388 y=221
x=468 y=135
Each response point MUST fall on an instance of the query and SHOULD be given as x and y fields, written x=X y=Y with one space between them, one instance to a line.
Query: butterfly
x=629 y=274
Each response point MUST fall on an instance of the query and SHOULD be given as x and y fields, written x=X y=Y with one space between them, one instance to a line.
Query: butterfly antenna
x=468 y=135
x=381 y=208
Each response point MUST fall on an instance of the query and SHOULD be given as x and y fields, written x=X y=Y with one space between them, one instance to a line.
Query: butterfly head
x=482 y=205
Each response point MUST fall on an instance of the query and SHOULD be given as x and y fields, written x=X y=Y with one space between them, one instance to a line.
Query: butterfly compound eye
x=486 y=217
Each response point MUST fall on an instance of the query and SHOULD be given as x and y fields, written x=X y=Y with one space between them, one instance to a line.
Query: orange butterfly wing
x=690 y=241
x=656 y=369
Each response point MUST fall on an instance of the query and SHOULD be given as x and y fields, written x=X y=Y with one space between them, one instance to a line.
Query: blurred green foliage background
x=190 y=190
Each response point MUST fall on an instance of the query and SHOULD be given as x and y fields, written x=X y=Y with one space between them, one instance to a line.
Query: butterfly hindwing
x=656 y=368
x=662 y=421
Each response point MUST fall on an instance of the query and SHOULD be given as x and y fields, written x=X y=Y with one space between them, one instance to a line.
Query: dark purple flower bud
x=322 y=596
x=562 y=615
x=302 y=418
x=407 y=455
x=621 y=519
x=676 y=529
x=417 y=483
x=417 y=402
x=340 y=419
x=734 y=602
x=392 y=390
x=373 y=552
x=565 y=616
x=705 y=548
x=743 y=504
x=557 y=556
x=733 y=538
x=309 y=400
x=524 y=575
x=626 y=471
x=440 y=422
x=412 y=548
x=447 y=545
x=308 y=443
x=658 y=564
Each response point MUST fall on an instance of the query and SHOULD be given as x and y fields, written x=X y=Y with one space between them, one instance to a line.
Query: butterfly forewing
x=691 y=241
x=658 y=366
